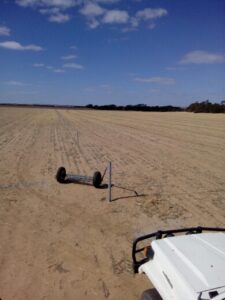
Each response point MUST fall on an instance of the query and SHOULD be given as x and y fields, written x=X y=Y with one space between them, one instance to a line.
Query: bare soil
x=65 y=241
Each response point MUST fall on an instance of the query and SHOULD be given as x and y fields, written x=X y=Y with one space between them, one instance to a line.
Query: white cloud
x=38 y=65
x=49 y=11
x=68 y=57
x=12 y=45
x=59 y=18
x=26 y=3
x=63 y=4
x=73 y=66
x=49 y=67
x=55 y=70
x=203 y=57
x=115 y=16
x=73 y=47
x=94 y=13
x=15 y=83
x=53 y=8
x=92 y=10
x=129 y=29
x=4 y=31
x=55 y=15
x=146 y=15
x=59 y=71
x=134 y=22
x=158 y=80
x=93 y=23
x=107 y=1
x=151 y=13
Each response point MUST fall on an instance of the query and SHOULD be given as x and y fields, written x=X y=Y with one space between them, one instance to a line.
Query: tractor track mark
x=73 y=137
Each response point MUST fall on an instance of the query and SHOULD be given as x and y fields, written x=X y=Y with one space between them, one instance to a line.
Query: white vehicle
x=182 y=264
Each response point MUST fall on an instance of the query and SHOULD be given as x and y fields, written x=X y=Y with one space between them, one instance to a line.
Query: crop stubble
x=66 y=241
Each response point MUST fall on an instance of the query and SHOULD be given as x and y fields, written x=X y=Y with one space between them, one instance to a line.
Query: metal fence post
x=110 y=181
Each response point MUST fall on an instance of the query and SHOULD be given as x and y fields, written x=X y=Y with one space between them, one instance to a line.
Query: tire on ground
x=61 y=175
x=150 y=294
x=97 y=179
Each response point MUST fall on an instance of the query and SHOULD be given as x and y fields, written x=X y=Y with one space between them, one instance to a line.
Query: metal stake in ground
x=110 y=181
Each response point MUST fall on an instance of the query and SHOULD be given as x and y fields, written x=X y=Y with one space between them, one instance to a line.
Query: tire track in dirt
x=97 y=145
x=70 y=143
x=33 y=152
x=39 y=209
x=74 y=132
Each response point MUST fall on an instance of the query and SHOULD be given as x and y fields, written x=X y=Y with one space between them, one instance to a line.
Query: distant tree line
x=206 y=107
x=196 y=107
x=43 y=106
x=138 y=107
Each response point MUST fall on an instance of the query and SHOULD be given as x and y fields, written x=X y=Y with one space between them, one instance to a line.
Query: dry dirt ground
x=66 y=241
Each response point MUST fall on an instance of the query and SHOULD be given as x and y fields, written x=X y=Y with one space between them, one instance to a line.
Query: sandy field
x=65 y=241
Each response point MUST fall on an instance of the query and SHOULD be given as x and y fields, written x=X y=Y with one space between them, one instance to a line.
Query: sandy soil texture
x=66 y=241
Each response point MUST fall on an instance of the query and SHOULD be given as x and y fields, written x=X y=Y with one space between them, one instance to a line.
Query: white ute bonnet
x=187 y=265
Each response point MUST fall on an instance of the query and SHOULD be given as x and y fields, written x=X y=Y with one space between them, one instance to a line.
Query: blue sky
x=77 y=52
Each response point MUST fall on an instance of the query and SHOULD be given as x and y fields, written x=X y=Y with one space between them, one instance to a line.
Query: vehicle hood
x=196 y=259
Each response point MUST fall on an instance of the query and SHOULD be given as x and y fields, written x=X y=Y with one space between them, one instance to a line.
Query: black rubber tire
x=61 y=175
x=97 y=179
x=150 y=294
